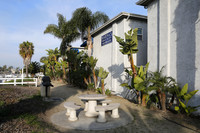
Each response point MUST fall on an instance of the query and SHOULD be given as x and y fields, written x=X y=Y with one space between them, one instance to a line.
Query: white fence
x=15 y=81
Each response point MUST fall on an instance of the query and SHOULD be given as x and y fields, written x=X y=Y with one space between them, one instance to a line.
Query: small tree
x=161 y=84
x=26 y=50
x=67 y=32
x=103 y=75
x=34 y=67
x=129 y=46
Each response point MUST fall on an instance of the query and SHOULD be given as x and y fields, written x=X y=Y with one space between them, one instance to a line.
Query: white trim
x=15 y=83
x=122 y=14
x=168 y=37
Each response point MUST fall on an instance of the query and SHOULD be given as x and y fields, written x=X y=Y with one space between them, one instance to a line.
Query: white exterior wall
x=174 y=30
x=110 y=58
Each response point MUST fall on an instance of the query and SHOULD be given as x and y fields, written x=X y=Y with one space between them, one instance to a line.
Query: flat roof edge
x=122 y=14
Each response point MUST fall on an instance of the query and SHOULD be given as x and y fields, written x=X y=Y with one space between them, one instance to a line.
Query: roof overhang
x=116 y=18
x=143 y=2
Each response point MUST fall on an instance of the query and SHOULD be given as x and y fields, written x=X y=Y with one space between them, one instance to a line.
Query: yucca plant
x=103 y=75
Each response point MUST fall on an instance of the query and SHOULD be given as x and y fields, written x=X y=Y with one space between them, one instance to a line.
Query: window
x=139 y=34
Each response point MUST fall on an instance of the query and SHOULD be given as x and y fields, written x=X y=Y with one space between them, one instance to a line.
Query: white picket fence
x=15 y=81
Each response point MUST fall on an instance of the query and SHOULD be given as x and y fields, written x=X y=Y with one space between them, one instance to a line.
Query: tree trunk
x=89 y=78
x=102 y=86
x=163 y=101
x=64 y=71
x=95 y=79
x=53 y=72
x=138 y=96
x=132 y=65
x=143 y=99
x=89 y=42
x=162 y=98
x=27 y=70
x=85 y=80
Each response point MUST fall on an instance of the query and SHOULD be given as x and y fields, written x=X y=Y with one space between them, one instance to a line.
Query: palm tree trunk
x=26 y=70
x=163 y=101
x=89 y=42
x=64 y=71
x=132 y=65
x=89 y=78
x=102 y=87
x=143 y=99
x=85 y=80
x=138 y=96
x=95 y=78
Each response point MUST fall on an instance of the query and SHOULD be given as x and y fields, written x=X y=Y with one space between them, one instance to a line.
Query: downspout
x=158 y=35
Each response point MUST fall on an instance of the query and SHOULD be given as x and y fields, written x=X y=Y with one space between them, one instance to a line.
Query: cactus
x=102 y=74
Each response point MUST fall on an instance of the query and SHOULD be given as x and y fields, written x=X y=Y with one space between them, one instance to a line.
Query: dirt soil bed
x=22 y=110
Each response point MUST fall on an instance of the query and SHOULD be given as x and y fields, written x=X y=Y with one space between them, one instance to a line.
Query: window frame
x=140 y=34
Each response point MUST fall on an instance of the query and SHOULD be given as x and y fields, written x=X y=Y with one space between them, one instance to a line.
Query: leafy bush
x=183 y=98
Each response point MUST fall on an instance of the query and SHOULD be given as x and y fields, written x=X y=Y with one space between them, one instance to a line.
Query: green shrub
x=183 y=98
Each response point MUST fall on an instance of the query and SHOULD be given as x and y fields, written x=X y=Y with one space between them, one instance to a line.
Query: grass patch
x=31 y=119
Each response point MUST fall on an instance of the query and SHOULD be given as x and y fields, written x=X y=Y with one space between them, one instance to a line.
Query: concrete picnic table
x=92 y=103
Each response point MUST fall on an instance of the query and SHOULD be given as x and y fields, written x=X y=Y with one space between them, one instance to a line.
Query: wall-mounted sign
x=107 y=38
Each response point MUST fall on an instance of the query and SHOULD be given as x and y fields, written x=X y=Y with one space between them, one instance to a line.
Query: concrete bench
x=105 y=102
x=86 y=104
x=71 y=110
x=101 y=109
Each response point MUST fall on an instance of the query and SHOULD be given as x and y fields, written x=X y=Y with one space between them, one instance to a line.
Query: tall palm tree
x=87 y=21
x=66 y=31
x=26 y=50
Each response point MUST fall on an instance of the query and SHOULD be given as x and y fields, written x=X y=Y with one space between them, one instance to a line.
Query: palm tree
x=87 y=21
x=161 y=84
x=26 y=50
x=66 y=31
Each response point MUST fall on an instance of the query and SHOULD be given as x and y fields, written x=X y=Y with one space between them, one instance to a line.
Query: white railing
x=15 y=81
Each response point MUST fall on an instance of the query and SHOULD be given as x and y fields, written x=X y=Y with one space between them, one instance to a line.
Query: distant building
x=174 y=40
x=106 y=48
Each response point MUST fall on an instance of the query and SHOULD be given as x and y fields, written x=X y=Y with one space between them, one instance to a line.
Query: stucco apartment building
x=174 y=40
x=106 y=48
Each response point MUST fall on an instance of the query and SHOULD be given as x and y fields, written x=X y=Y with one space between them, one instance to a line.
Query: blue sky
x=26 y=20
